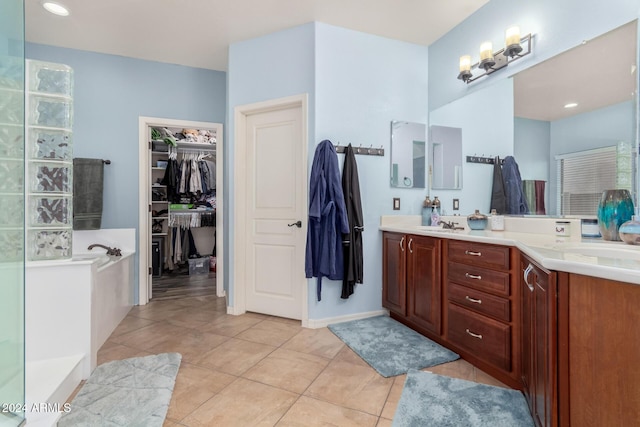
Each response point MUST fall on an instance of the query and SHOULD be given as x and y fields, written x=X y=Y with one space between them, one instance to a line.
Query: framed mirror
x=576 y=122
x=408 y=154
x=445 y=157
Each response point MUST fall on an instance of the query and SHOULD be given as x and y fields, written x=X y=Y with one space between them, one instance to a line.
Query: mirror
x=445 y=157
x=408 y=154
x=605 y=116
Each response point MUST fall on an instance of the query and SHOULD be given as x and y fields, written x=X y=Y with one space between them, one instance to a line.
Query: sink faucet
x=450 y=225
x=110 y=251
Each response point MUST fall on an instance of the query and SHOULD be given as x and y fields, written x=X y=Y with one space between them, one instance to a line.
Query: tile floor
x=258 y=370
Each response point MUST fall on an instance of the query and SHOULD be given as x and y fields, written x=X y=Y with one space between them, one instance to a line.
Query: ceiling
x=598 y=73
x=197 y=33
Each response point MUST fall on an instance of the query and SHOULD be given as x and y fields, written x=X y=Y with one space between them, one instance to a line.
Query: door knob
x=297 y=224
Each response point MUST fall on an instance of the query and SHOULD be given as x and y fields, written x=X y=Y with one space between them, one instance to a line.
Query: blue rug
x=390 y=347
x=129 y=392
x=434 y=400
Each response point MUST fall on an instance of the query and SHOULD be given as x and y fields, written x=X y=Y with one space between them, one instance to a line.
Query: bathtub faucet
x=110 y=251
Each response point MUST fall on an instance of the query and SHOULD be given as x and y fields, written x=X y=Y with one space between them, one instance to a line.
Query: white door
x=275 y=212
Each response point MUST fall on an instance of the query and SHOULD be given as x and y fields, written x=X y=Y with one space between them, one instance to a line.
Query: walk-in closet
x=182 y=221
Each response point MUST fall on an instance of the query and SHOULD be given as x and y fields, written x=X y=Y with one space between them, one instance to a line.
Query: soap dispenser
x=426 y=211
x=435 y=214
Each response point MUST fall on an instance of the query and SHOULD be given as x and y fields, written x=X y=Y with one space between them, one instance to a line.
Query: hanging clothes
x=327 y=218
x=353 y=265
x=498 y=196
x=516 y=201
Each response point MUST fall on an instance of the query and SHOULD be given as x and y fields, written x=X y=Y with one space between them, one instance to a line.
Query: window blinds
x=582 y=177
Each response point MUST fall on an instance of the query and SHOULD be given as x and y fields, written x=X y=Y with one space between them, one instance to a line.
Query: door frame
x=144 y=179
x=241 y=112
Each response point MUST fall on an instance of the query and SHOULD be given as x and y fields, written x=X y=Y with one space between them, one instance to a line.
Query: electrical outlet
x=396 y=203
x=456 y=204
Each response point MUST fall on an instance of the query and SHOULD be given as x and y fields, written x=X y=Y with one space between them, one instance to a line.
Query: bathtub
x=72 y=306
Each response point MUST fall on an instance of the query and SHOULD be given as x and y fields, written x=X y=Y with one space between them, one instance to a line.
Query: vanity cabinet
x=411 y=283
x=598 y=351
x=539 y=341
x=480 y=307
x=394 y=268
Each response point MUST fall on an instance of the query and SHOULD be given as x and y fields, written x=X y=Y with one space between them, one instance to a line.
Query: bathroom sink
x=437 y=229
x=602 y=250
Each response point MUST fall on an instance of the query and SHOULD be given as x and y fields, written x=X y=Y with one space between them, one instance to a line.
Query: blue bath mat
x=129 y=392
x=390 y=347
x=434 y=400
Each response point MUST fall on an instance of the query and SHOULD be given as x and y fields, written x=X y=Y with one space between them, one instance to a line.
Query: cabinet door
x=394 y=272
x=540 y=335
x=423 y=282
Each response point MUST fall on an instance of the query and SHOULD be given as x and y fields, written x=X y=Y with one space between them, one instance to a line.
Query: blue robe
x=327 y=218
x=516 y=201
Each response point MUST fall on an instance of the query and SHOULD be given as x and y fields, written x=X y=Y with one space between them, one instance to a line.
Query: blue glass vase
x=615 y=208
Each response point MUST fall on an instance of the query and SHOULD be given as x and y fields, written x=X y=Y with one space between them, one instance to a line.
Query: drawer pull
x=476 y=301
x=410 y=248
x=472 y=276
x=474 y=335
x=472 y=253
x=402 y=244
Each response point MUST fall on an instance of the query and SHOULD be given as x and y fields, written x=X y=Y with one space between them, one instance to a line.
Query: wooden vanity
x=570 y=342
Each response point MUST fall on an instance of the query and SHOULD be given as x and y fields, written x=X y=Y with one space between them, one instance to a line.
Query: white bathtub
x=73 y=306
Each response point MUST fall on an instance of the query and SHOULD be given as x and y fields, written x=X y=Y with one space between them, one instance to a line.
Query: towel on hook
x=88 y=178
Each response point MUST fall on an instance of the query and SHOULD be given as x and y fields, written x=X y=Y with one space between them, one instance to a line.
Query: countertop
x=587 y=256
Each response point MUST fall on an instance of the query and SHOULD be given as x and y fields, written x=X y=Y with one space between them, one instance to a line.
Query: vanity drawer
x=479 y=301
x=485 y=338
x=479 y=278
x=479 y=254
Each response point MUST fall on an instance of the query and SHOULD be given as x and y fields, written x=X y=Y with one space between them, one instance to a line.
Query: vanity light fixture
x=491 y=61
x=55 y=8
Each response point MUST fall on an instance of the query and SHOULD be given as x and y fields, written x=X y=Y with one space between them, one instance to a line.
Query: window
x=584 y=175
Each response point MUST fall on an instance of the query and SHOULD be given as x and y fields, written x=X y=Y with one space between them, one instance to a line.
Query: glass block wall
x=49 y=106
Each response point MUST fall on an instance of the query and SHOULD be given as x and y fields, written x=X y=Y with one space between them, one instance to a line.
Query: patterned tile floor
x=258 y=370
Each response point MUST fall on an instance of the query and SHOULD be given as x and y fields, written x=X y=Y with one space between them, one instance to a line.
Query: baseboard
x=232 y=310
x=321 y=323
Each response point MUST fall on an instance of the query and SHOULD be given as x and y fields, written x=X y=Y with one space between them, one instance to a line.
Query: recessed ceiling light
x=571 y=105
x=55 y=8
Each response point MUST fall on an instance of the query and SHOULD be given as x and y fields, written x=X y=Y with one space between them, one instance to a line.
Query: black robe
x=352 y=241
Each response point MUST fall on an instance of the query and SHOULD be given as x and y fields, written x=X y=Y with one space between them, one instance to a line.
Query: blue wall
x=274 y=66
x=363 y=82
x=557 y=25
x=487 y=131
x=357 y=83
x=532 y=141
x=110 y=94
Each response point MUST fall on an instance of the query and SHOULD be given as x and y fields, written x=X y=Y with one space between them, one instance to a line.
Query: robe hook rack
x=483 y=160
x=370 y=151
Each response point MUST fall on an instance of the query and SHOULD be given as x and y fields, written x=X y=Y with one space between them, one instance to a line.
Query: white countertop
x=590 y=257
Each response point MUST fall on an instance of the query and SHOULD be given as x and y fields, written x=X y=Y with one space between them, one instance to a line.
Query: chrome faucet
x=450 y=225
x=110 y=251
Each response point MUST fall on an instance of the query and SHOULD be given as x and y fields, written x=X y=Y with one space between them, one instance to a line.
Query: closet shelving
x=163 y=217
